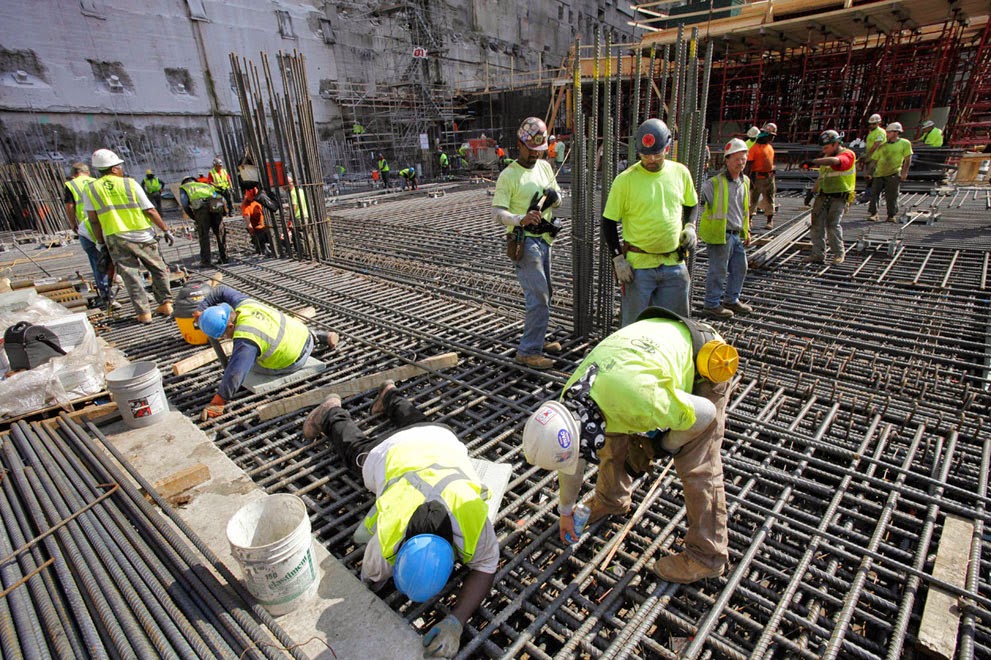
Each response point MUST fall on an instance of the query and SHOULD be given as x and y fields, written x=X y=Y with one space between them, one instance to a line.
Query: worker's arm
x=70 y=214
x=473 y=591
x=184 y=203
x=906 y=163
x=222 y=294
x=610 y=232
x=688 y=215
x=94 y=222
x=826 y=161
x=503 y=217
x=569 y=487
x=242 y=359
x=156 y=219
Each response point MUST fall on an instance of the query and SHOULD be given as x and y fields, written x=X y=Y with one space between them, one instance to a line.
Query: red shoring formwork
x=969 y=123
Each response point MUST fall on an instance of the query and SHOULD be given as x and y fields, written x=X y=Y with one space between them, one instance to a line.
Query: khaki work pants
x=128 y=259
x=699 y=466
x=762 y=196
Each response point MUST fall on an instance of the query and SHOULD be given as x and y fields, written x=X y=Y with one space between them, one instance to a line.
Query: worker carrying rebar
x=760 y=169
x=834 y=192
x=657 y=387
x=383 y=167
x=725 y=229
x=220 y=179
x=655 y=200
x=893 y=160
x=408 y=176
x=430 y=508
x=525 y=194
x=264 y=340
x=75 y=212
x=930 y=136
x=152 y=186
x=203 y=203
x=123 y=220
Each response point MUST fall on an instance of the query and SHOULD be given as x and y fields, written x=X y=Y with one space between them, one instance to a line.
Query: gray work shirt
x=737 y=196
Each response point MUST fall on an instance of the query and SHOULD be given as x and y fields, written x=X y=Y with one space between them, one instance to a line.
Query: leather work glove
x=444 y=639
x=215 y=409
x=624 y=271
x=103 y=261
x=687 y=241
x=550 y=198
x=169 y=238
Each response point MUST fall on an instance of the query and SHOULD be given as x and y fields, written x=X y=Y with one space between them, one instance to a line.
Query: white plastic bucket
x=137 y=389
x=270 y=539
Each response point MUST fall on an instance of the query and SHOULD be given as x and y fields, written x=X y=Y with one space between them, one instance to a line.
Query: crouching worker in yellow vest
x=265 y=340
x=430 y=508
x=657 y=387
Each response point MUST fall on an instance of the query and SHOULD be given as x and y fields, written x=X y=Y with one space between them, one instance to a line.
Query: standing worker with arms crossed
x=665 y=379
x=834 y=193
x=121 y=215
x=654 y=200
x=525 y=193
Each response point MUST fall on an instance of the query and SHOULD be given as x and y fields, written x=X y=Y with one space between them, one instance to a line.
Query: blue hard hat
x=213 y=322
x=423 y=566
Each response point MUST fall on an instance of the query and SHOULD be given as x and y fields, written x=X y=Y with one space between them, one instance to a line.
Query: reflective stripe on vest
x=417 y=471
x=383 y=165
x=116 y=205
x=280 y=339
x=833 y=181
x=197 y=192
x=152 y=185
x=221 y=180
x=712 y=224
x=76 y=187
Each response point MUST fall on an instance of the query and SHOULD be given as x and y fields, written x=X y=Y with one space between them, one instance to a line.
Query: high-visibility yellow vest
x=116 y=204
x=220 y=178
x=152 y=185
x=298 y=199
x=712 y=224
x=833 y=181
x=197 y=192
x=76 y=187
x=934 y=138
x=280 y=339
x=383 y=165
x=419 y=470
x=443 y=160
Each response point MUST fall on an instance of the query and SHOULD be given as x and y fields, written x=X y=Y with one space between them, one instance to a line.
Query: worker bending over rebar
x=656 y=387
x=430 y=508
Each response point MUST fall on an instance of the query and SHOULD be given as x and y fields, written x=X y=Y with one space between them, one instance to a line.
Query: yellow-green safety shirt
x=116 y=205
x=443 y=160
x=419 y=470
x=649 y=204
x=516 y=186
x=876 y=136
x=280 y=339
x=838 y=181
x=890 y=156
x=934 y=138
x=712 y=224
x=76 y=186
x=646 y=369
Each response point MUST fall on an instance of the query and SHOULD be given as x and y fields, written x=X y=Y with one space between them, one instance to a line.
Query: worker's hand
x=103 y=260
x=808 y=164
x=903 y=177
x=531 y=219
x=746 y=242
x=215 y=409
x=444 y=639
x=567 y=524
x=688 y=240
x=624 y=271
x=169 y=238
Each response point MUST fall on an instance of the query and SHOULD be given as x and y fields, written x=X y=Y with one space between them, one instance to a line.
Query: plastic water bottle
x=581 y=513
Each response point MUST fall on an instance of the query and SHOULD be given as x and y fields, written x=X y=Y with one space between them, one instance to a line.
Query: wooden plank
x=183 y=480
x=941 y=617
x=197 y=360
x=90 y=412
x=350 y=387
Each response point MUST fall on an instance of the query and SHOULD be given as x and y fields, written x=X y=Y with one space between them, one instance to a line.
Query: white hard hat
x=551 y=438
x=928 y=123
x=894 y=126
x=874 y=119
x=734 y=146
x=771 y=128
x=104 y=159
x=551 y=138
x=753 y=132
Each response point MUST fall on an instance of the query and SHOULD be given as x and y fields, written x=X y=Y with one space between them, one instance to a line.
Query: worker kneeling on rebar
x=430 y=508
x=656 y=387
x=265 y=340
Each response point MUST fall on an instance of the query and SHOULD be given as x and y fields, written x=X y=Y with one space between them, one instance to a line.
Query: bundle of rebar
x=31 y=198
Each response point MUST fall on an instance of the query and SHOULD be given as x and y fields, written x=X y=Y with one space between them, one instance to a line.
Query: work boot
x=552 y=347
x=165 y=309
x=313 y=426
x=838 y=259
x=738 y=307
x=329 y=339
x=144 y=318
x=682 y=569
x=718 y=312
x=538 y=362
x=892 y=218
x=378 y=406
x=812 y=259
x=600 y=510
x=872 y=217
x=770 y=222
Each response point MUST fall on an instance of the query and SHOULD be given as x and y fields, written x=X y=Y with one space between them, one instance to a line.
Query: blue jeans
x=727 y=270
x=533 y=270
x=664 y=286
x=102 y=281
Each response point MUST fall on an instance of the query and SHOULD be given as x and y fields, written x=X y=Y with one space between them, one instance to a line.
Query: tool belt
x=514 y=244
x=629 y=247
x=835 y=194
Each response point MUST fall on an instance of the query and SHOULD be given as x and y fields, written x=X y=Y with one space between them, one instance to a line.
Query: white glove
x=169 y=238
x=444 y=639
x=688 y=240
x=624 y=271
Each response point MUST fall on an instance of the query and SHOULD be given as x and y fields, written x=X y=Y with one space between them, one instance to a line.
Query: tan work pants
x=762 y=196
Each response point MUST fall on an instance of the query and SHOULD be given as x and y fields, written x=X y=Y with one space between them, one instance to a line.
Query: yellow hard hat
x=717 y=361
x=147 y=171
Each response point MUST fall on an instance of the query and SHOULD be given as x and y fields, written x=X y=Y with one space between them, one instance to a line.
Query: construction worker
x=357 y=130
x=656 y=387
x=501 y=160
x=875 y=138
x=561 y=154
x=417 y=527
x=931 y=136
x=75 y=213
x=752 y=134
x=203 y=203
x=383 y=168
x=834 y=190
x=254 y=216
x=463 y=156
x=122 y=220
x=654 y=199
x=445 y=163
x=725 y=229
x=408 y=175
x=525 y=193
x=297 y=198
x=264 y=340
x=552 y=148
x=893 y=159
x=152 y=186
x=221 y=180
x=760 y=169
